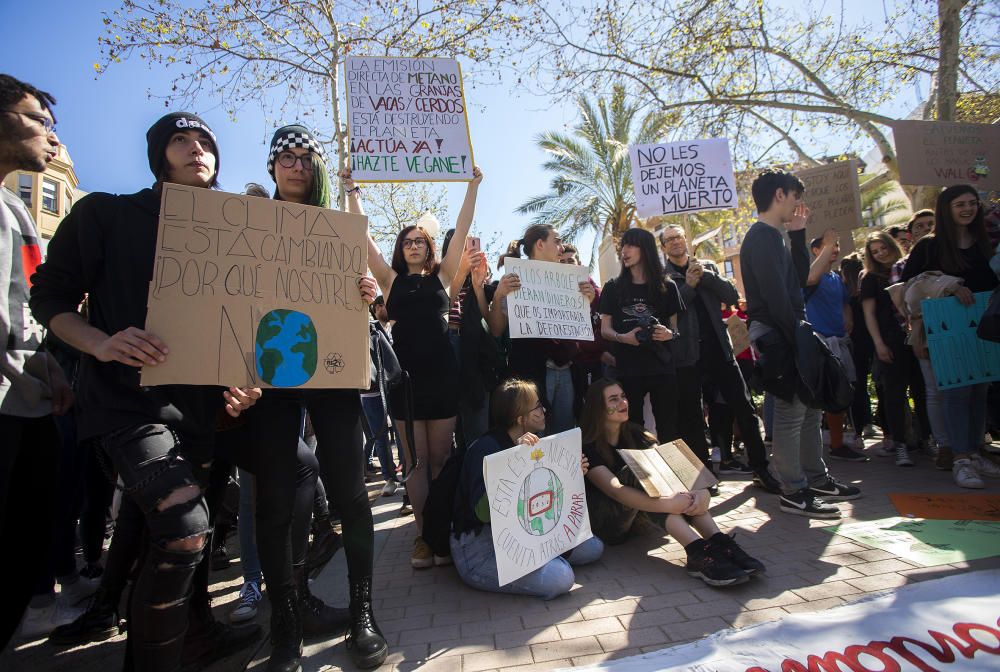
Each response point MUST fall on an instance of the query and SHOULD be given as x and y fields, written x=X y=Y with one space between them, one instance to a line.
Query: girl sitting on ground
x=517 y=416
x=615 y=497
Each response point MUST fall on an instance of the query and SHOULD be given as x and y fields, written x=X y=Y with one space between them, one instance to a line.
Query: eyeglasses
x=965 y=204
x=538 y=407
x=288 y=160
x=43 y=121
x=414 y=242
x=669 y=239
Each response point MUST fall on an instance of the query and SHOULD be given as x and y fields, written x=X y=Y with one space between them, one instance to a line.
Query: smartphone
x=472 y=243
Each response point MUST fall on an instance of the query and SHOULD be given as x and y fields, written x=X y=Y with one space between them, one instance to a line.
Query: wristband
x=355 y=189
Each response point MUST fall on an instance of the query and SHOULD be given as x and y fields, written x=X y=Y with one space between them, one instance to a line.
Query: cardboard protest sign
x=668 y=469
x=943 y=153
x=406 y=120
x=538 y=505
x=738 y=333
x=549 y=303
x=683 y=177
x=959 y=357
x=833 y=196
x=253 y=291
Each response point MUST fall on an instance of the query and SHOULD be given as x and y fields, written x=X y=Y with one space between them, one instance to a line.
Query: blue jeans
x=476 y=562
x=965 y=417
x=935 y=407
x=559 y=391
x=375 y=414
x=797 y=445
x=248 y=537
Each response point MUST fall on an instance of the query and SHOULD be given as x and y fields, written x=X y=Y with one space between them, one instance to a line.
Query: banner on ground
x=834 y=200
x=939 y=624
x=257 y=292
x=679 y=177
x=941 y=506
x=959 y=357
x=538 y=505
x=406 y=120
x=549 y=303
x=927 y=542
x=943 y=153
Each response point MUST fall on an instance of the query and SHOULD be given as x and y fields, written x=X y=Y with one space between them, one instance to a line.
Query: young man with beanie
x=32 y=385
x=297 y=163
x=159 y=439
x=773 y=278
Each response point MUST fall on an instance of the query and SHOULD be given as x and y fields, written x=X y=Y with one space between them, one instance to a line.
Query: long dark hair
x=946 y=229
x=592 y=423
x=431 y=264
x=646 y=242
x=850 y=270
x=532 y=235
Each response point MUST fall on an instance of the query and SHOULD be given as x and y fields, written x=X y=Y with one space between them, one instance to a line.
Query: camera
x=645 y=324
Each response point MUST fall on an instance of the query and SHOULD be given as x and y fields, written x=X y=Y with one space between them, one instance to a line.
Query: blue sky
x=103 y=120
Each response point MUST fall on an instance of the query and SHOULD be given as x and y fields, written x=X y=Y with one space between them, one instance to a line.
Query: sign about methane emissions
x=538 y=505
x=682 y=177
x=549 y=303
x=407 y=120
x=256 y=292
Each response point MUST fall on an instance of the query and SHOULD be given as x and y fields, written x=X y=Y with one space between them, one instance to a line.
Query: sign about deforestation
x=407 y=120
x=257 y=292
x=549 y=303
x=683 y=177
x=943 y=153
x=833 y=198
x=538 y=504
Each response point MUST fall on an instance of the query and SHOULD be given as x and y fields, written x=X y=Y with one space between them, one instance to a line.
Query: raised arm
x=451 y=261
x=823 y=262
x=379 y=267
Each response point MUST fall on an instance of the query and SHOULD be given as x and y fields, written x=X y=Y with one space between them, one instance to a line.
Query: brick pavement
x=634 y=600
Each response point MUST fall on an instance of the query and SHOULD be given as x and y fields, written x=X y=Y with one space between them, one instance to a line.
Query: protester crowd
x=85 y=443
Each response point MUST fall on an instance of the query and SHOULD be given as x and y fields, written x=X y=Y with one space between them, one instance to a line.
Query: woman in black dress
x=415 y=287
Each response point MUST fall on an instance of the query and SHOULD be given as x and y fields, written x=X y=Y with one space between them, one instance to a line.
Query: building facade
x=49 y=196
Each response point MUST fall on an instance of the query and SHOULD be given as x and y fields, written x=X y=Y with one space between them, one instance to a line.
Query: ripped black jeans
x=154 y=462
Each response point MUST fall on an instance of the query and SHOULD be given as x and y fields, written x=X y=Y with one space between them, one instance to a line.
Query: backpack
x=439 y=509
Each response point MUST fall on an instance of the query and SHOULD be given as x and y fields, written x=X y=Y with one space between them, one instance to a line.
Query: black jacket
x=105 y=249
x=713 y=290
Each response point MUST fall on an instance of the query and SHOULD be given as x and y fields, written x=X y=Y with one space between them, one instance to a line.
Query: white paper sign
x=683 y=177
x=406 y=120
x=549 y=303
x=538 y=505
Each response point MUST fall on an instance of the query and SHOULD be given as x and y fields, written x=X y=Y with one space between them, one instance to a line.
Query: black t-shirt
x=873 y=286
x=625 y=306
x=926 y=256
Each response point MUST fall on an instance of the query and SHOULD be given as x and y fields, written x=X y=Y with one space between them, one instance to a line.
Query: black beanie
x=293 y=135
x=159 y=135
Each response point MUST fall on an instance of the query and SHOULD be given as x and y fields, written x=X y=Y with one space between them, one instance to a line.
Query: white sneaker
x=965 y=474
x=985 y=467
x=78 y=591
x=246 y=609
x=903 y=456
x=40 y=621
x=389 y=489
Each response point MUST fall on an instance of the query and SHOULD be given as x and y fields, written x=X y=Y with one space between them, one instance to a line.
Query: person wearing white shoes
x=961 y=246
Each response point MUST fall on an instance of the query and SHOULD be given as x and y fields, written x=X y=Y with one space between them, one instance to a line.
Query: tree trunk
x=950 y=28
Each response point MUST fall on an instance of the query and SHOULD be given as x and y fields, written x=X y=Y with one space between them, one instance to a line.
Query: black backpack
x=439 y=509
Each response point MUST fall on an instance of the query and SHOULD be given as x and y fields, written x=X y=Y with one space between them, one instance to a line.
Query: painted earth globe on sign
x=286 y=348
x=540 y=502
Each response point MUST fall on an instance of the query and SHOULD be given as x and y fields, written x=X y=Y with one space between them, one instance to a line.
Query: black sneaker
x=765 y=481
x=833 y=491
x=712 y=568
x=848 y=454
x=805 y=503
x=726 y=546
x=734 y=467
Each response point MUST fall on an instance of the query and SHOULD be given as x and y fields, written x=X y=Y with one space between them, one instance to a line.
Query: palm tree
x=592 y=185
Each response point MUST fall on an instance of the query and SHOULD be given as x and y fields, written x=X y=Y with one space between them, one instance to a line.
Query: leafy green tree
x=591 y=188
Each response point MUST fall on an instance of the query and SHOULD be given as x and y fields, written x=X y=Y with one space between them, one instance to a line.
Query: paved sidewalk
x=636 y=599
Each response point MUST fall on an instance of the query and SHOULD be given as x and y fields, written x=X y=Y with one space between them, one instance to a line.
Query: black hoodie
x=105 y=249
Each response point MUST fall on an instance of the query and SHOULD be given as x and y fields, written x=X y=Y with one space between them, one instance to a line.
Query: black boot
x=365 y=642
x=286 y=633
x=318 y=618
x=325 y=544
x=99 y=622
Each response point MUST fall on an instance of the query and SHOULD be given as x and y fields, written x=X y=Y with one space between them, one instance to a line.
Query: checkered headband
x=287 y=137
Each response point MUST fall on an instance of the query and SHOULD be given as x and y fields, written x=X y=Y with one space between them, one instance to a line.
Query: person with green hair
x=297 y=163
